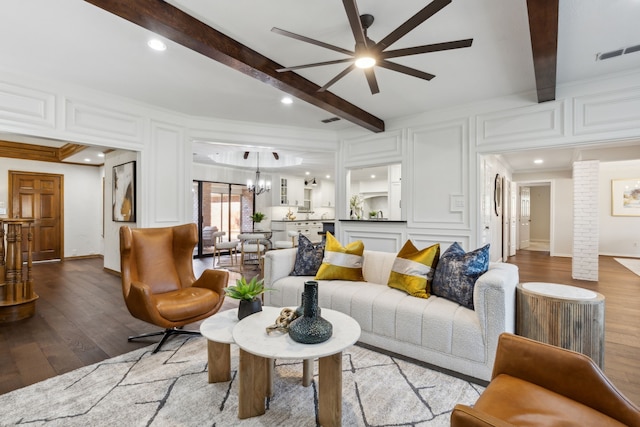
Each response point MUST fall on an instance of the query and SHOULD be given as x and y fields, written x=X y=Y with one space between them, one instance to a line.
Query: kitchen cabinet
x=310 y=229
x=288 y=191
x=327 y=194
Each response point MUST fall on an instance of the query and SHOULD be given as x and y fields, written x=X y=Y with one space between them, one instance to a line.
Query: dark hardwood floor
x=81 y=319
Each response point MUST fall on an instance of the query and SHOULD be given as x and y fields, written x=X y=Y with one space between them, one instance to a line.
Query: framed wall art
x=625 y=197
x=124 y=192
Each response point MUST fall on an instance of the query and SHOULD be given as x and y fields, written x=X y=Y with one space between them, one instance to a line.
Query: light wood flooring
x=81 y=319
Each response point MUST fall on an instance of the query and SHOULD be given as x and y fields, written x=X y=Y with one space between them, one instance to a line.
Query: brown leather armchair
x=536 y=384
x=158 y=282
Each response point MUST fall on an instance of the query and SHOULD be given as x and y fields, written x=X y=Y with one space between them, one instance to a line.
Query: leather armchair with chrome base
x=536 y=384
x=158 y=282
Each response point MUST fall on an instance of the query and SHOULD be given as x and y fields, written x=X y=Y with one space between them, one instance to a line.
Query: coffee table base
x=255 y=380
x=219 y=357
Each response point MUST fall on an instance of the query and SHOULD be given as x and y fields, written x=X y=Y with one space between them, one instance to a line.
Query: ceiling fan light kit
x=368 y=53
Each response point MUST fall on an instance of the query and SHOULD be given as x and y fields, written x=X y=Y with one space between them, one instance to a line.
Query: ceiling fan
x=368 y=53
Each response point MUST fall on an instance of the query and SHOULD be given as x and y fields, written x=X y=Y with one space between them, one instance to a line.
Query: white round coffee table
x=257 y=348
x=218 y=330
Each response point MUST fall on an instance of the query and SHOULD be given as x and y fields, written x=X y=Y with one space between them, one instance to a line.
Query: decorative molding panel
x=26 y=106
x=608 y=112
x=87 y=119
x=438 y=170
x=542 y=121
x=424 y=240
x=375 y=149
x=167 y=178
x=375 y=240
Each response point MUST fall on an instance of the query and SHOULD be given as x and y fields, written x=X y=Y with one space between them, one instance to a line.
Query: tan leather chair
x=536 y=384
x=158 y=282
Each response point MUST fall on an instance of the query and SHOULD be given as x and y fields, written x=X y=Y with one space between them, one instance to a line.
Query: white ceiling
x=75 y=42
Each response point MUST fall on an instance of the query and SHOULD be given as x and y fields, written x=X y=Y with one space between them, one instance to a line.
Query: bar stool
x=284 y=244
x=220 y=245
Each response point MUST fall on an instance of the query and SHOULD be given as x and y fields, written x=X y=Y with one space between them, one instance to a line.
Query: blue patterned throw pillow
x=457 y=272
x=309 y=257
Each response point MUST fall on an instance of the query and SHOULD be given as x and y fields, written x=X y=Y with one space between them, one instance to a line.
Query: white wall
x=82 y=201
x=439 y=150
x=619 y=235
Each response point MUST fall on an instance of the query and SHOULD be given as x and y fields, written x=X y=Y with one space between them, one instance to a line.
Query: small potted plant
x=247 y=293
x=372 y=214
x=257 y=218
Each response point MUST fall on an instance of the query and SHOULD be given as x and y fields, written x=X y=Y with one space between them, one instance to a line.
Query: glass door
x=219 y=207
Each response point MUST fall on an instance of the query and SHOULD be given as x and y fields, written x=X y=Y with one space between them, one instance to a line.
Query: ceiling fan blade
x=371 y=79
x=353 y=15
x=338 y=77
x=312 y=41
x=428 y=11
x=317 y=64
x=426 y=48
x=405 y=70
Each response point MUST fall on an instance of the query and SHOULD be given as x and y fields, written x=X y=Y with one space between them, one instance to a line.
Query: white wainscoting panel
x=375 y=149
x=541 y=121
x=608 y=112
x=167 y=179
x=438 y=169
x=424 y=240
x=26 y=106
x=375 y=240
x=85 y=119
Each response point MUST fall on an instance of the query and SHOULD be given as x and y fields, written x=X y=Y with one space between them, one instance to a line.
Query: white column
x=585 y=220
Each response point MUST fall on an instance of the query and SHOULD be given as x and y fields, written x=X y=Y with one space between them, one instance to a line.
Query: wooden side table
x=562 y=315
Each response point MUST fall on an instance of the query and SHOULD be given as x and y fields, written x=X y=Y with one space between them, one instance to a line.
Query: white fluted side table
x=562 y=315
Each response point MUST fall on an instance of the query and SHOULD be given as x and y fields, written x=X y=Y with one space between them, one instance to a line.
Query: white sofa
x=434 y=330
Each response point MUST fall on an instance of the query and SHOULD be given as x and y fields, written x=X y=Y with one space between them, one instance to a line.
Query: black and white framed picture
x=124 y=192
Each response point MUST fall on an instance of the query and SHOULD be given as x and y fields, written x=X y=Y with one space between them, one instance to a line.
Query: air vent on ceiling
x=618 y=52
x=331 y=119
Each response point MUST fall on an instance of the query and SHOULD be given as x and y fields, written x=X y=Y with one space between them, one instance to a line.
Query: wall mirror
x=378 y=191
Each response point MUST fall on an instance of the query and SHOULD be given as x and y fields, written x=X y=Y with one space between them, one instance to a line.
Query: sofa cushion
x=457 y=272
x=413 y=269
x=341 y=262
x=308 y=258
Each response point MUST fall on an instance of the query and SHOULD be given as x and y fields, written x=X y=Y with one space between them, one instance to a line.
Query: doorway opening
x=535 y=216
x=219 y=207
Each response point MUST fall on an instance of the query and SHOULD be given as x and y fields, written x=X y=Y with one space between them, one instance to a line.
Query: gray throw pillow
x=308 y=258
x=457 y=272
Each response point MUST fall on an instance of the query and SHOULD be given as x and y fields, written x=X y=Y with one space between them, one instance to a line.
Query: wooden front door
x=38 y=196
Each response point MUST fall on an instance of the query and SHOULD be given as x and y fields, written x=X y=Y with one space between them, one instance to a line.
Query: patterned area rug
x=170 y=388
x=632 y=264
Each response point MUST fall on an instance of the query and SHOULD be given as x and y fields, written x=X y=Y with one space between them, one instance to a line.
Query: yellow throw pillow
x=341 y=262
x=413 y=270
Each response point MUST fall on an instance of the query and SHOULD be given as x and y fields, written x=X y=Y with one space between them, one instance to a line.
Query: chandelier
x=258 y=186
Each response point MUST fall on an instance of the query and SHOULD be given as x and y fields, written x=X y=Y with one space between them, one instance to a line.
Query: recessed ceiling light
x=328 y=176
x=307 y=173
x=157 y=44
x=538 y=161
x=373 y=176
x=87 y=160
x=100 y=154
x=286 y=100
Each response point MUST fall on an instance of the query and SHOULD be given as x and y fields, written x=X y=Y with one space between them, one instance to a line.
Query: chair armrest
x=565 y=372
x=466 y=416
x=141 y=303
x=215 y=280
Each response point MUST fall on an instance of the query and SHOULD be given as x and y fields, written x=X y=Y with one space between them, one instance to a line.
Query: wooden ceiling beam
x=69 y=150
x=182 y=28
x=543 y=28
